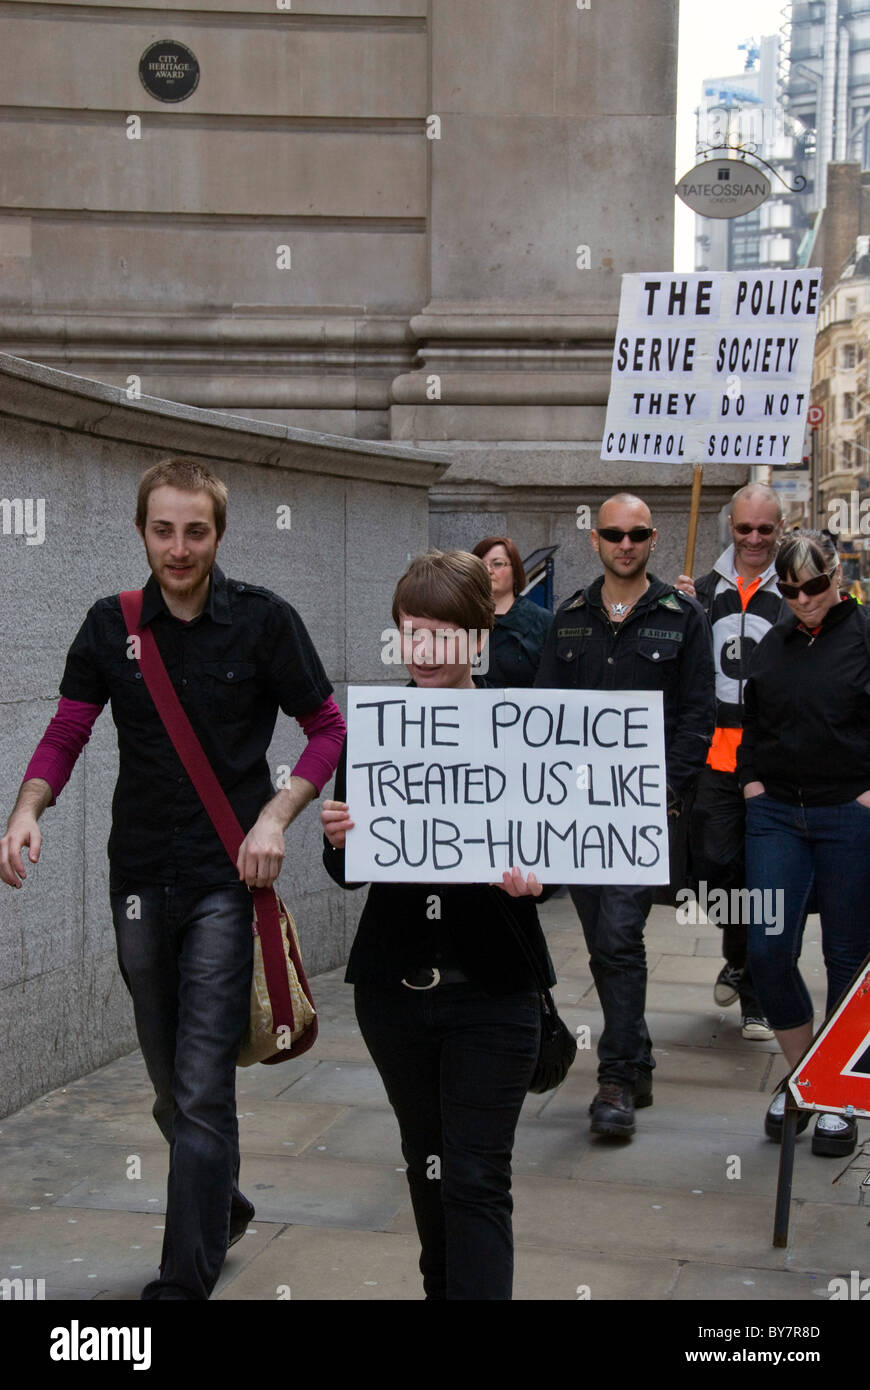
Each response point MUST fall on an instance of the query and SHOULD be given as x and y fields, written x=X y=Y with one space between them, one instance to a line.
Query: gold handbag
x=265 y=1041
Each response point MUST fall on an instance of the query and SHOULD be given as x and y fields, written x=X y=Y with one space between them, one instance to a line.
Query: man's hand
x=864 y=798
x=516 y=886
x=33 y=797
x=22 y=831
x=686 y=585
x=262 y=852
x=336 y=822
x=753 y=789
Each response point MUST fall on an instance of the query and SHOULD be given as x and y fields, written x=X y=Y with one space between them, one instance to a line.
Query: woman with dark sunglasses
x=804 y=765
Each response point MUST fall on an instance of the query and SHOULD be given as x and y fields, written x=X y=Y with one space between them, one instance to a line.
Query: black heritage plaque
x=168 y=70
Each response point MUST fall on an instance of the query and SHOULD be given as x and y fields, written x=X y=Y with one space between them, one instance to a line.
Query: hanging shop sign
x=724 y=188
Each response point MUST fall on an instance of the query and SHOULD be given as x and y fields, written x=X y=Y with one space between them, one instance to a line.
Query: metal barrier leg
x=786 y=1169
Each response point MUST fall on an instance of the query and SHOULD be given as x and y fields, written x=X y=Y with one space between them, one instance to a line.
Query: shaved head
x=756 y=526
x=757 y=492
x=623 y=559
x=624 y=499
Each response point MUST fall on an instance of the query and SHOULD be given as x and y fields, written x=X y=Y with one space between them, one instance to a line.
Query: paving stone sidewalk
x=682 y=1212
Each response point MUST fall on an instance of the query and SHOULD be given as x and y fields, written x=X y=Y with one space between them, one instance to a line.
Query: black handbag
x=558 y=1046
x=557 y=1051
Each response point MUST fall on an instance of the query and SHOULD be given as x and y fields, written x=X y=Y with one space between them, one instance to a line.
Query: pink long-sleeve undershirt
x=60 y=745
x=70 y=728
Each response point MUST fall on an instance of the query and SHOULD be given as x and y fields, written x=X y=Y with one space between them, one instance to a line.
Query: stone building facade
x=388 y=219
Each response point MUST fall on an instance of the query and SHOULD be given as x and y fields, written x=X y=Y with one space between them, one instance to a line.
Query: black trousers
x=717 y=837
x=186 y=958
x=456 y=1064
x=613 y=920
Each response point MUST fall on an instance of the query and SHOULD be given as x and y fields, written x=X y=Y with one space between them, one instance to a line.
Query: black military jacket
x=664 y=644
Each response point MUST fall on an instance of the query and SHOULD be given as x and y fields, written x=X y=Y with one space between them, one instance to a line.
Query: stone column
x=551 y=173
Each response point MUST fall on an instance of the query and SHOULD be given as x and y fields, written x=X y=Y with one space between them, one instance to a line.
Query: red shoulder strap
x=214 y=799
x=180 y=729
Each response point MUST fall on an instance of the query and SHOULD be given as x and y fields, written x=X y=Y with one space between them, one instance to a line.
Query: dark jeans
x=613 y=920
x=456 y=1065
x=792 y=850
x=186 y=958
x=717 y=836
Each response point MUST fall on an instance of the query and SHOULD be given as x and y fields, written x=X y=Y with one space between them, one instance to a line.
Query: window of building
x=744 y=240
x=851 y=306
x=847 y=355
x=846 y=452
x=847 y=409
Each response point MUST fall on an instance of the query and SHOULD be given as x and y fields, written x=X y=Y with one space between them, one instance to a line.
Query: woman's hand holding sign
x=516 y=886
x=336 y=822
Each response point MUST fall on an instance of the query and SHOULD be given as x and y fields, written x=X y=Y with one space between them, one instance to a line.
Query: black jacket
x=516 y=642
x=664 y=644
x=806 y=721
x=460 y=925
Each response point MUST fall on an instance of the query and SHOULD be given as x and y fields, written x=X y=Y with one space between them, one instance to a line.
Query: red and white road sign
x=835 y=1073
x=815 y=415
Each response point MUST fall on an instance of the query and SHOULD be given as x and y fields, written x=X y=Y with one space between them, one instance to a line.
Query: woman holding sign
x=445 y=986
x=804 y=765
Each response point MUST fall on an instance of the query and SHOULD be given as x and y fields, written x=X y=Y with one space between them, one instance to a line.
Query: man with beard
x=182 y=911
x=742 y=602
x=630 y=631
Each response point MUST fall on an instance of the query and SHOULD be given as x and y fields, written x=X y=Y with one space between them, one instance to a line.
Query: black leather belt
x=428 y=976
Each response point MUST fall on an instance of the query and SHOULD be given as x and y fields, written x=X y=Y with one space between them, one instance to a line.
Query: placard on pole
x=712 y=367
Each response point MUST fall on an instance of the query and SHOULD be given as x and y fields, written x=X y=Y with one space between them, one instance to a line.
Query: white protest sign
x=460 y=785
x=713 y=367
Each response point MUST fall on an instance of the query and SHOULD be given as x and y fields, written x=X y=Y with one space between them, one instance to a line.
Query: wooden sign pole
x=697 y=480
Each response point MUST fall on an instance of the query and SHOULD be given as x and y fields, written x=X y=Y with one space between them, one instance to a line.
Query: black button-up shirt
x=245 y=656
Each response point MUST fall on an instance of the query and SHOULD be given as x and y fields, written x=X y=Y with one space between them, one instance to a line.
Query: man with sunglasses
x=741 y=599
x=628 y=630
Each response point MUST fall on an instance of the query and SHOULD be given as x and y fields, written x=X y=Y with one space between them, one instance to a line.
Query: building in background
x=747 y=109
x=395 y=220
x=842 y=391
x=826 y=83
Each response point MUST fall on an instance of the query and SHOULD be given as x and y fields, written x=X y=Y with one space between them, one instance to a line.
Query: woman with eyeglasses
x=804 y=765
x=520 y=630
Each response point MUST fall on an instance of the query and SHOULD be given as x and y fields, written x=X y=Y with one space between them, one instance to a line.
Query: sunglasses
x=638 y=534
x=810 y=587
x=744 y=530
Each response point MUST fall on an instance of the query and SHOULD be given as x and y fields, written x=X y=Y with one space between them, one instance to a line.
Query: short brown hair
x=517 y=566
x=188 y=475
x=451 y=585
